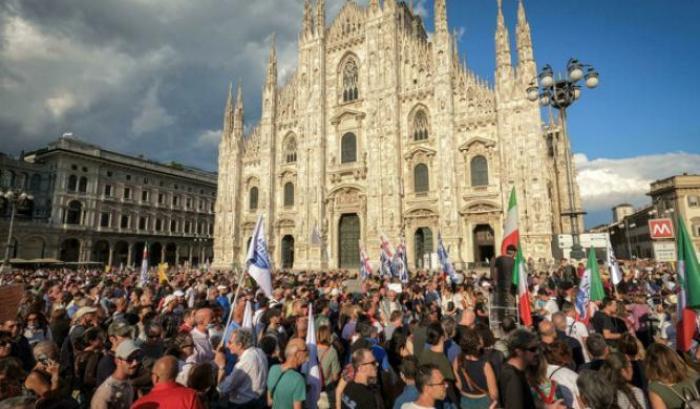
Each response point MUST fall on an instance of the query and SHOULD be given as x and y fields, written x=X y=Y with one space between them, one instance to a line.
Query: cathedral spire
x=229 y=112
x=374 y=5
x=238 y=124
x=440 y=15
x=524 y=38
x=272 y=64
x=503 y=60
x=307 y=27
x=321 y=17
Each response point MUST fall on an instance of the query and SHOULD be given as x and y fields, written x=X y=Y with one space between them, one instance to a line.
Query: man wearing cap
x=84 y=318
x=116 y=391
x=118 y=332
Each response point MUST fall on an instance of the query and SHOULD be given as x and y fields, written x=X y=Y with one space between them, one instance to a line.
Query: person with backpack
x=672 y=384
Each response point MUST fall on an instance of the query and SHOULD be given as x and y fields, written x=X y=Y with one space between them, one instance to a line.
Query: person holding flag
x=689 y=289
x=399 y=267
x=502 y=267
x=312 y=368
x=447 y=267
x=258 y=260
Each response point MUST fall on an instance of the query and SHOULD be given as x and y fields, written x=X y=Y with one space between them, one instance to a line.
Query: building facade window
x=82 y=185
x=108 y=190
x=420 y=126
x=161 y=198
x=127 y=193
x=176 y=200
x=72 y=183
x=421 y=179
x=693 y=201
x=253 y=199
x=288 y=194
x=74 y=212
x=104 y=219
x=187 y=227
x=159 y=225
x=35 y=184
x=479 y=168
x=144 y=196
x=142 y=223
x=290 y=150
x=350 y=73
x=173 y=226
x=124 y=222
x=348 y=148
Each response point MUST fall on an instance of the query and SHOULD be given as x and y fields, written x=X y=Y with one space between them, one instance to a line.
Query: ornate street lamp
x=560 y=94
x=14 y=198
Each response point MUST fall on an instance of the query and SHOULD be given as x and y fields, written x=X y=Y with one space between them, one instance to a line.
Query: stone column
x=130 y=255
x=189 y=254
x=110 y=259
x=162 y=253
x=177 y=255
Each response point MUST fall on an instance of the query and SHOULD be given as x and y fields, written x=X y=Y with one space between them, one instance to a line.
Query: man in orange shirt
x=166 y=393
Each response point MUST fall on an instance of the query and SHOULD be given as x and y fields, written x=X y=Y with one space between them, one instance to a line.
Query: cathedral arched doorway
x=348 y=241
x=484 y=243
x=288 y=252
x=70 y=250
x=423 y=240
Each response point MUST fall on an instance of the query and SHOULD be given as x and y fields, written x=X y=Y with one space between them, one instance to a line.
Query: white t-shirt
x=576 y=329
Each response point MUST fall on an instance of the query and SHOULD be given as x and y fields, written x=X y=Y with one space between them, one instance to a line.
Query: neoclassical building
x=383 y=129
x=95 y=205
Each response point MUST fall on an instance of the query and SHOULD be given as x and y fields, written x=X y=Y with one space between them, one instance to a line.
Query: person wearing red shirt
x=166 y=393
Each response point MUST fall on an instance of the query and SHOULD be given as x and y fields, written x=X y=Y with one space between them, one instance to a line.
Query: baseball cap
x=120 y=329
x=126 y=349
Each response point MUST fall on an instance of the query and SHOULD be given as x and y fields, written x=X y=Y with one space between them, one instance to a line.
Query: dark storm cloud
x=138 y=76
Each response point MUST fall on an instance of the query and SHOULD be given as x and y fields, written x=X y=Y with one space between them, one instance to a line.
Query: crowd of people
x=95 y=339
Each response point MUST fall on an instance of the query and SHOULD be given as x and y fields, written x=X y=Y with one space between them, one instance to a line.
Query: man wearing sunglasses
x=116 y=391
x=363 y=392
x=431 y=385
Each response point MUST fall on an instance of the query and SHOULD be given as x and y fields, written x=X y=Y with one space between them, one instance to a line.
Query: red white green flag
x=689 y=297
x=511 y=234
x=520 y=281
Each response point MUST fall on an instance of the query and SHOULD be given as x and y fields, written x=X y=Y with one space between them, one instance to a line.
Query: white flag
x=247 y=322
x=258 y=260
x=613 y=267
x=312 y=369
x=144 y=265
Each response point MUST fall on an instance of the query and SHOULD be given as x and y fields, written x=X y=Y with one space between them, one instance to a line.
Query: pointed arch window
x=479 y=171
x=420 y=126
x=421 y=180
x=350 y=75
x=348 y=148
x=290 y=151
x=253 y=199
x=288 y=194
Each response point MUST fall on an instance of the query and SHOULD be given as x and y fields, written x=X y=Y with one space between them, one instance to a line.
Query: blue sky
x=150 y=77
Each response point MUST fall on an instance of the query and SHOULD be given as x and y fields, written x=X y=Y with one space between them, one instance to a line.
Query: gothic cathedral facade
x=382 y=130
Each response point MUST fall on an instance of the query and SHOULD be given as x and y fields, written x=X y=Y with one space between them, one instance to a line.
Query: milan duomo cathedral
x=383 y=129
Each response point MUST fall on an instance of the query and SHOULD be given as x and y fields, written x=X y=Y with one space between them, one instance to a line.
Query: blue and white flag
x=143 y=279
x=400 y=268
x=312 y=369
x=247 y=322
x=258 y=260
x=613 y=266
x=365 y=267
x=447 y=267
x=385 y=257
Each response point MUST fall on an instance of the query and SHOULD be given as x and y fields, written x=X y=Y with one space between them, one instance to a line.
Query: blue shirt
x=409 y=394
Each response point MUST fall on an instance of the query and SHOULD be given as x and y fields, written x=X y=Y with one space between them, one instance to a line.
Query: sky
x=149 y=77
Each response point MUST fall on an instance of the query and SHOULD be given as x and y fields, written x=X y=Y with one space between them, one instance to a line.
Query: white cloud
x=421 y=8
x=209 y=138
x=152 y=115
x=605 y=182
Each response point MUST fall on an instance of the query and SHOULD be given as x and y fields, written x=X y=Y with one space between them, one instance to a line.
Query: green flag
x=597 y=293
x=688 y=267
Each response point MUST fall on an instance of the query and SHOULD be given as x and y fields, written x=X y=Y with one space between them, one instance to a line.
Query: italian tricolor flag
x=689 y=297
x=511 y=235
x=520 y=281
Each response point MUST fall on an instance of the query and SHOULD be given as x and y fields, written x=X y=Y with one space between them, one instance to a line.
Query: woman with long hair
x=475 y=377
x=618 y=371
x=545 y=391
x=329 y=362
x=670 y=379
x=558 y=356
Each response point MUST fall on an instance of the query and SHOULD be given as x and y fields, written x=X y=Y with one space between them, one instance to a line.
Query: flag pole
x=233 y=307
